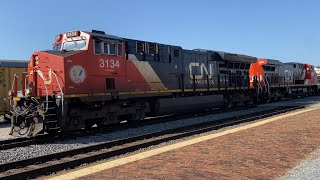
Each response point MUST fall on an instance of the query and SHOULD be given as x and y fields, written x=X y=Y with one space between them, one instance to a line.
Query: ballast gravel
x=4 y=132
x=21 y=153
x=308 y=169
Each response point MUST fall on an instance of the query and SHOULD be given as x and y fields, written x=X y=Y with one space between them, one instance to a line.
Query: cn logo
x=259 y=78
x=288 y=75
x=203 y=70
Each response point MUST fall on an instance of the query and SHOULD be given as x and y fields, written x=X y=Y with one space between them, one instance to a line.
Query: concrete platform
x=267 y=149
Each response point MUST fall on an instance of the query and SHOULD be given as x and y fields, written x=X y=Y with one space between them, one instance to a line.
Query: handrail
x=14 y=85
x=47 y=94
x=62 y=95
x=267 y=85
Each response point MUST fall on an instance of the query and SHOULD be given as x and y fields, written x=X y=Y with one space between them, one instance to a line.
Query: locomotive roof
x=237 y=57
x=104 y=36
x=274 y=62
x=294 y=63
x=13 y=63
x=231 y=56
x=224 y=55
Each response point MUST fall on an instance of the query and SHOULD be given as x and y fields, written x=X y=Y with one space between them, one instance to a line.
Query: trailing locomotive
x=276 y=79
x=94 y=78
x=9 y=69
x=318 y=73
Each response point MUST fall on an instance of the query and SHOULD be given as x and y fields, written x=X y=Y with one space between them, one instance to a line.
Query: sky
x=286 y=30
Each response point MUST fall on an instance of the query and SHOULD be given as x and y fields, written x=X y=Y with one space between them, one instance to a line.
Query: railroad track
x=43 y=165
x=19 y=142
x=41 y=139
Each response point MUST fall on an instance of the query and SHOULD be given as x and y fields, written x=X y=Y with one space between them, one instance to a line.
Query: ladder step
x=50 y=115
x=53 y=128
x=54 y=121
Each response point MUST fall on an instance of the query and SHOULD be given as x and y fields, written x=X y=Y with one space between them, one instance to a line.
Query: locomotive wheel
x=133 y=122
x=280 y=98
x=228 y=102
x=251 y=100
x=134 y=119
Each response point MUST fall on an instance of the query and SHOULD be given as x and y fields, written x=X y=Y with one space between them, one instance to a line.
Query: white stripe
x=149 y=75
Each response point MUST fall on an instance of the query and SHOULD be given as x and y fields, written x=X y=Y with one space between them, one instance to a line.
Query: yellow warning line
x=125 y=160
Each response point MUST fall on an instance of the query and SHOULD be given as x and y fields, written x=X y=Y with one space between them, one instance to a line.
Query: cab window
x=97 y=47
x=119 y=49
x=57 y=47
x=112 y=48
x=109 y=48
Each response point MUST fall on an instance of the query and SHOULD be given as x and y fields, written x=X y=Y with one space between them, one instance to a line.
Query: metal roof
x=13 y=63
x=103 y=36
x=274 y=62
x=230 y=56
x=236 y=57
x=294 y=63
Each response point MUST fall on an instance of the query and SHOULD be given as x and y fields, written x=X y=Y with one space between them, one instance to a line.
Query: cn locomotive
x=92 y=78
x=318 y=74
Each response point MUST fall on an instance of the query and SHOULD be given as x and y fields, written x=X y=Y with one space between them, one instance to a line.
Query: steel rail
x=38 y=166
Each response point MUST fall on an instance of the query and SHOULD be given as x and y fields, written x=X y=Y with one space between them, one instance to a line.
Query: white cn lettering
x=203 y=70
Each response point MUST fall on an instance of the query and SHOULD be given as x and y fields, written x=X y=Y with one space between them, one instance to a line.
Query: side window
x=109 y=48
x=112 y=48
x=97 y=47
x=119 y=49
x=153 y=48
x=140 y=46
x=105 y=48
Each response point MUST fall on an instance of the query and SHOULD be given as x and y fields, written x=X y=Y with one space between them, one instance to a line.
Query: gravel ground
x=1 y=119
x=308 y=169
x=4 y=132
x=59 y=146
x=313 y=101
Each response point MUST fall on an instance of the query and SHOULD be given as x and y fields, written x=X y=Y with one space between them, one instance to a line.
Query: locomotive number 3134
x=109 y=63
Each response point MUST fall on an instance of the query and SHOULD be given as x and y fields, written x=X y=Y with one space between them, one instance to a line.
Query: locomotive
x=93 y=78
x=8 y=69
x=318 y=73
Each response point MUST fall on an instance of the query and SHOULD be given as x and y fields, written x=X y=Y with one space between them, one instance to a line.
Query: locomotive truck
x=93 y=78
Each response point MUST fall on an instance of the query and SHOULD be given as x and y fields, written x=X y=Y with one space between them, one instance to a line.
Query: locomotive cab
x=266 y=74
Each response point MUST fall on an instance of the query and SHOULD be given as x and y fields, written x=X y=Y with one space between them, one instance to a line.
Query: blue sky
x=287 y=30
